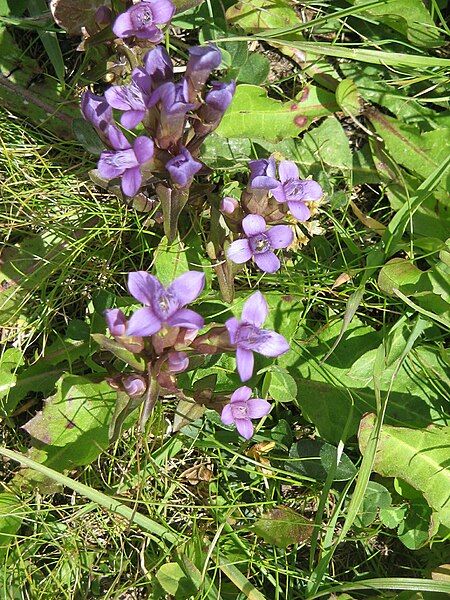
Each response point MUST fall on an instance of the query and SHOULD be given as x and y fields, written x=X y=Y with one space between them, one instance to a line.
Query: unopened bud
x=134 y=385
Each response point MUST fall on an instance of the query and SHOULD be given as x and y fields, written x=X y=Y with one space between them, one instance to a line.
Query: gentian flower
x=247 y=336
x=164 y=306
x=174 y=104
x=260 y=243
x=158 y=65
x=263 y=174
x=294 y=191
x=182 y=168
x=210 y=113
x=228 y=205
x=177 y=362
x=133 y=99
x=142 y=20
x=241 y=409
x=202 y=61
x=134 y=385
x=97 y=111
x=116 y=321
x=125 y=161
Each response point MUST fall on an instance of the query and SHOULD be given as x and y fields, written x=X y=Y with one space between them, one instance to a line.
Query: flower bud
x=134 y=385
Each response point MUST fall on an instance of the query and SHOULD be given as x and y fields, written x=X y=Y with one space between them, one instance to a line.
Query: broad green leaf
x=419 y=456
x=414 y=530
x=408 y=17
x=118 y=350
x=376 y=499
x=175 y=582
x=283 y=527
x=397 y=273
x=72 y=428
x=186 y=412
x=254 y=71
x=326 y=144
x=315 y=459
x=252 y=114
x=11 y=512
x=420 y=152
x=347 y=96
x=170 y=260
x=392 y=516
x=282 y=387
x=10 y=362
x=226 y=153
x=259 y=15
x=87 y=136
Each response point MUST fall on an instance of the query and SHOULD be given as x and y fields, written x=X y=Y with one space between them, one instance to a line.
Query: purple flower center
x=121 y=159
x=247 y=335
x=141 y=16
x=259 y=243
x=239 y=410
x=293 y=189
x=165 y=304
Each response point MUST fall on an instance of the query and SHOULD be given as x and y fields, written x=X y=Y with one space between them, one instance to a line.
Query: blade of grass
x=239 y=580
x=158 y=533
x=48 y=39
x=389 y=583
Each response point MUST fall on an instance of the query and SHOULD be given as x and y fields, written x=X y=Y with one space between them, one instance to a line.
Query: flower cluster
x=164 y=333
x=268 y=199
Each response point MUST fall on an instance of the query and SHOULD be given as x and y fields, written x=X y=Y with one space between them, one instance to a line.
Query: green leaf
x=11 y=512
x=283 y=527
x=315 y=459
x=252 y=114
x=396 y=274
x=174 y=581
x=408 y=17
x=72 y=428
x=392 y=516
x=226 y=153
x=124 y=407
x=118 y=350
x=282 y=387
x=73 y=16
x=170 y=260
x=347 y=96
x=258 y=15
x=419 y=456
x=376 y=498
x=49 y=40
x=254 y=71
x=10 y=362
x=87 y=136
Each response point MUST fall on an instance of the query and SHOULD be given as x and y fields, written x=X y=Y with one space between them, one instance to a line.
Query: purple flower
x=96 y=110
x=202 y=61
x=142 y=20
x=241 y=409
x=164 y=306
x=295 y=191
x=260 y=243
x=116 y=321
x=182 y=168
x=263 y=174
x=125 y=161
x=228 y=205
x=174 y=104
x=158 y=65
x=133 y=99
x=134 y=385
x=177 y=362
x=217 y=100
x=248 y=337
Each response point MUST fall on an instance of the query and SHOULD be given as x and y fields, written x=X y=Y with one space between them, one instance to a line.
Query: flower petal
x=279 y=193
x=299 y=210
x=263 y=182
x=162 y=10
x=186 y=318
x=287 y=170
x=143 y=322
x=257 y=408
x=239 y=251
x=242 y=394
x=187 y=287
x=131 y=181
x=270 y=344
x=245 y=428
x=143 y=286
x=253 y=224
x=255 y=310
x=280 y=236
x=267 y=261
x=131 y=118
x=123 y=26
x=232 y=326
x=311 y=190
x=117 y=97
x=244 y=363
x=116 y=321
x=116 y=138
x=227 y=415
x=143 y=148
